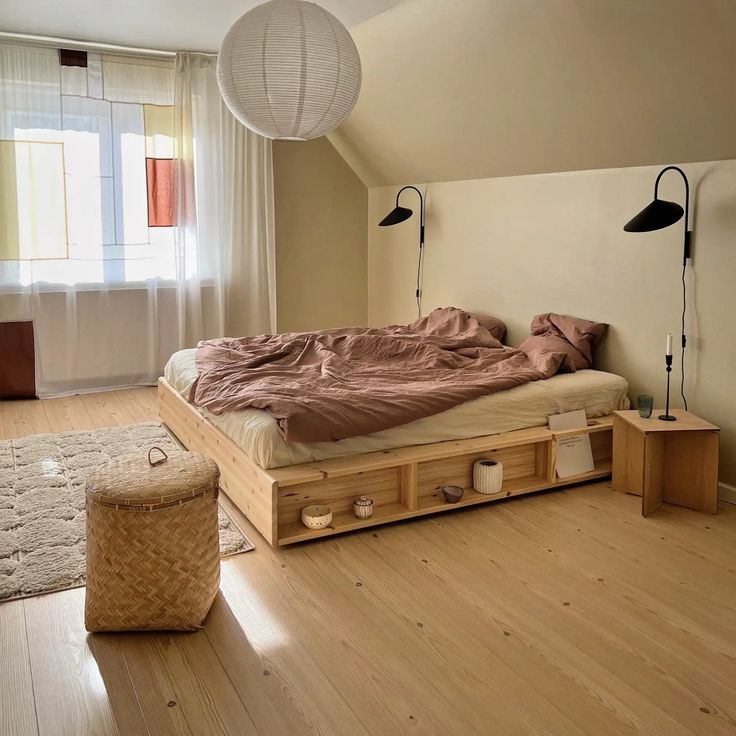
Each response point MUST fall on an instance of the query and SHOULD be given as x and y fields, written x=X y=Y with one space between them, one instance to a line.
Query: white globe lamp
x=289 y=70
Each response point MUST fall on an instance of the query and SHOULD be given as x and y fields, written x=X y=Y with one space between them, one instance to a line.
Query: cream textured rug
x=42 y=520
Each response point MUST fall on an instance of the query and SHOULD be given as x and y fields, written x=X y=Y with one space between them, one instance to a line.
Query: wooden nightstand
x=666 y=462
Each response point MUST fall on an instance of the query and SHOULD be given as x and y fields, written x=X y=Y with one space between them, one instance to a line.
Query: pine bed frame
x=404 y=482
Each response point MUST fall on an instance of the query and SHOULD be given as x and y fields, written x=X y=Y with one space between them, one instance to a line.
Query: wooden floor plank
x=478 y=656
x=23 y=418
x=405 y=701
x=141 y=403
x=447 y=671
x=182 y=686
x=683 y=693
x=66 y=414
x=107 y=410
x=634 y=536
x=286 y=690
x=17 y=707
x=107 y=650
x=300 y=669
x=273 y=694
x=715 y=536
x=685 y=664
x=531 y=607
x=652 y=571
x=71 y=694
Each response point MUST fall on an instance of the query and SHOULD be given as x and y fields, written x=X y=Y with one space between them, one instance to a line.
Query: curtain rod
x=70 y=43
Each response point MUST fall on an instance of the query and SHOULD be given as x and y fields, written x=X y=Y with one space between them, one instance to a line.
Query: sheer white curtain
x=224 y=186
x=112 y=293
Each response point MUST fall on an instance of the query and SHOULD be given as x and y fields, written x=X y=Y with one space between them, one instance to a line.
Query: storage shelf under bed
x=404 y=483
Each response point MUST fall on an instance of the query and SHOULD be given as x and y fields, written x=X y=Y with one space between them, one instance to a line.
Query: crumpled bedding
x=335 y=384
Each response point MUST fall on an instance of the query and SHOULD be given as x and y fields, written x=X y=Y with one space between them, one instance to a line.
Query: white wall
x=518 y=246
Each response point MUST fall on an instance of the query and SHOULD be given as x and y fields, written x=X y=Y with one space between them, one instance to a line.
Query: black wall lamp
x=659 y=214
x=399 y=214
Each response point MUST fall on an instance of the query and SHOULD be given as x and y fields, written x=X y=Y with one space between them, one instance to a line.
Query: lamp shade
x=289 y=70
x=660 y=213
x=397 y=215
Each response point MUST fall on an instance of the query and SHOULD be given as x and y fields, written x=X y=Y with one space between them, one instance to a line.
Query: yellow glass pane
x=9 y=244
x=159 y=127
x=32 y=201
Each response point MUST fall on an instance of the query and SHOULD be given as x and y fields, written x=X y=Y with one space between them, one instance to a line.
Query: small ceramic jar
x=363 y=507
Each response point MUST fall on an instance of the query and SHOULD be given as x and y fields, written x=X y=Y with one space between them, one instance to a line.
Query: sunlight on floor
x=258 y=624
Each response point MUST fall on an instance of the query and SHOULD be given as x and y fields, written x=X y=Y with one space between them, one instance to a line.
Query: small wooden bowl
x=316 y=517
x=452 y=494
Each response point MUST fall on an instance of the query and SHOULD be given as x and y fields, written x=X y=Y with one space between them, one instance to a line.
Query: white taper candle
x=669 y=344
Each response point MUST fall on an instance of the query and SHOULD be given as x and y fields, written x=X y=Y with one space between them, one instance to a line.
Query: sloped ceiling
x=480 y=88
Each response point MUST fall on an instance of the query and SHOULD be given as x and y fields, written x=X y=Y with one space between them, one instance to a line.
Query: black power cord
x=684 y=339
x=419 y=280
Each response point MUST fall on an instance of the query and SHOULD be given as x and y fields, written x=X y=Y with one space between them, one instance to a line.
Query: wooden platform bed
x=404 y=482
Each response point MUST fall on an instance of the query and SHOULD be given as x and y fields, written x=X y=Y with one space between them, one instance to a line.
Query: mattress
x=257 y=433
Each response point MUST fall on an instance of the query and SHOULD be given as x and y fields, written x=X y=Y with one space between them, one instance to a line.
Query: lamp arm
x=686 y=247
x=685 y=257
x=421 y=210
x=421 y=244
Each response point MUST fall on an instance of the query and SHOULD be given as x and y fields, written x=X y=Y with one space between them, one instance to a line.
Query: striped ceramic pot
x=487 y=476
x=363 y=507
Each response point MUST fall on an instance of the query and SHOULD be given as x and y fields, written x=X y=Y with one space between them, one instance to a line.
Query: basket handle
x=163 y=459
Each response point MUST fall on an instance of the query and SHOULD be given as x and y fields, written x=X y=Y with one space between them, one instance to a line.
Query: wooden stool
x=666 y=462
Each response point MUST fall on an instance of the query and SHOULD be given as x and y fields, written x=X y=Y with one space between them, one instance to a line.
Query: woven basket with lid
x=153 y=552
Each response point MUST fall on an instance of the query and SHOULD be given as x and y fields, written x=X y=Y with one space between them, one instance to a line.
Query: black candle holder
x=667 y=417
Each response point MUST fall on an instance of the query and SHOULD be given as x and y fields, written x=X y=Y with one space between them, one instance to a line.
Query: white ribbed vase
x=487 y=476
x=289 y=70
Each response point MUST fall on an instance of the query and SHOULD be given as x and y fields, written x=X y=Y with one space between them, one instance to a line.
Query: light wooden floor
x=564 y=613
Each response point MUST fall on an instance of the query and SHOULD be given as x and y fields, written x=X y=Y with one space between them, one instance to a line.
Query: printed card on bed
x=574 y=454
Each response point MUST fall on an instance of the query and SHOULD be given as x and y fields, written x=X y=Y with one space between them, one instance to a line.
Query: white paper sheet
x=574 y=453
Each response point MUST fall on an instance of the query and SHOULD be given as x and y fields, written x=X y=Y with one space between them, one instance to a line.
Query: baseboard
x=727 y=492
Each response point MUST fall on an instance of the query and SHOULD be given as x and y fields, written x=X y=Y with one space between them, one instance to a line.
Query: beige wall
x=518 y=246
x=321 y=252
x=466 y=89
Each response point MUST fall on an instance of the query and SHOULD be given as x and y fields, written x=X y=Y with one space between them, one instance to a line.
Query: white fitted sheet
x=256 y=432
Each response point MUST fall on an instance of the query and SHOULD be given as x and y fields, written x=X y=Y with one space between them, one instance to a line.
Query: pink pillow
x=493 y=325
x=558 y=333
x=448 y=316
x=455 y=322
x=544 y=347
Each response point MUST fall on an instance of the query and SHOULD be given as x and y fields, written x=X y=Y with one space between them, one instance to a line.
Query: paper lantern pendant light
x=289 y=70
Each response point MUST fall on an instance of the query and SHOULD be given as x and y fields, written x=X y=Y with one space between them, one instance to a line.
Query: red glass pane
x=160 y=180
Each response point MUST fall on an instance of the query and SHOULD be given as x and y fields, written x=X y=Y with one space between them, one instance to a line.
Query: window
x=86 y=168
